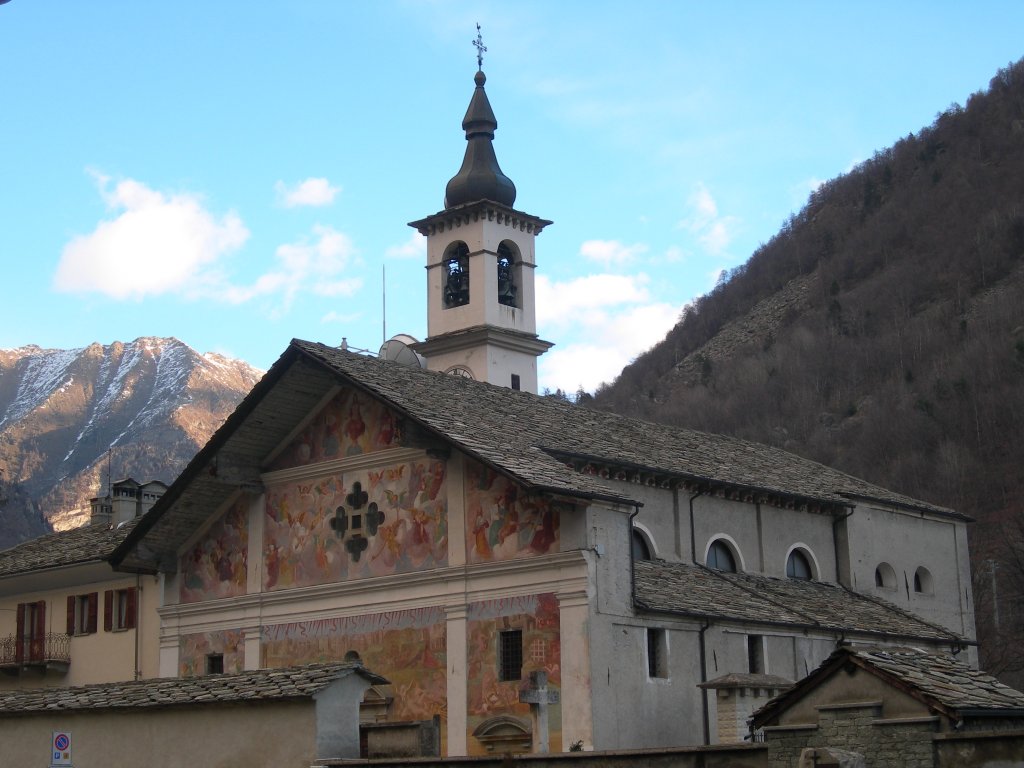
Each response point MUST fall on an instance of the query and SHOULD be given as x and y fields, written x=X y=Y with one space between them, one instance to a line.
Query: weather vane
x=480 y=48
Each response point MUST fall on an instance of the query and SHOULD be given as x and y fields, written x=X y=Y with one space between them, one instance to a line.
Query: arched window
x=720 y=557
x=798 y=566
x=923 y=581
x=507 y=287
x=885 y=576
x=641 y=549
x=456 y=275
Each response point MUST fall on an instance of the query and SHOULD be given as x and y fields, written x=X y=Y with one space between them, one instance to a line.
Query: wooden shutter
x=129 y=619
x=93 y=610
x=39 y=632
x=72 y=599
x=19 y=641
x=108 y=610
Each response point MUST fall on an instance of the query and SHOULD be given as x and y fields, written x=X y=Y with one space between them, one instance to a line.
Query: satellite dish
x=398 y=349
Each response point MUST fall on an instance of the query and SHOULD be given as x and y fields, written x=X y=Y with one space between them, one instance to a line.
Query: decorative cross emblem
x=480 y=48
x=350 y=526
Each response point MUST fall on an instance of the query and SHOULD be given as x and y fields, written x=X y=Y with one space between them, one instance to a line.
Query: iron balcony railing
x=51 y=647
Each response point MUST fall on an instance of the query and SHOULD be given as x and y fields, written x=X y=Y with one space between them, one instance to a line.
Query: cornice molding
x=346 y=464
x=565 y=573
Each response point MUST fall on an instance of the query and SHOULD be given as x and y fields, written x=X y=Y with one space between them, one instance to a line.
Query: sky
x=239 y=174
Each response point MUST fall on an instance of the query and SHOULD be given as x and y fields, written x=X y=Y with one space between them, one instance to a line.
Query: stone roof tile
x=80 y=545
x=261 y=684
x=749 y=598
x=526 y=434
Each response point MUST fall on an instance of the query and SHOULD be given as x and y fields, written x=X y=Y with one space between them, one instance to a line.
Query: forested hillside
x=881 y=331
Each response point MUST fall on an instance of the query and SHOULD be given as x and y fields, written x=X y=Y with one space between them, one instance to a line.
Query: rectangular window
x=515 y=381
x=510 y=655
x=657 y=653
x=82 y=614
x=215 y=664
x=755 y=654
x=119 y=609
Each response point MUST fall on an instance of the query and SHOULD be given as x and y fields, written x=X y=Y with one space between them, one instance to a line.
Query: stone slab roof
x=538 y=441
x=523 y=433
x=90 y=543
x=257 y=685
x=694 y=590
x=746 y=680
x=942 y=682
x=943 y=678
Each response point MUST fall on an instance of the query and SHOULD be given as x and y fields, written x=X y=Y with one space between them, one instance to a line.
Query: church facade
x=528 y=574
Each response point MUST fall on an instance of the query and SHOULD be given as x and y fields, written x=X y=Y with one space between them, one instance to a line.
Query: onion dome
x=479 y=178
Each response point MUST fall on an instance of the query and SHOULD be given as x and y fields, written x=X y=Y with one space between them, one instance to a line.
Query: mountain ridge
x=71 y=418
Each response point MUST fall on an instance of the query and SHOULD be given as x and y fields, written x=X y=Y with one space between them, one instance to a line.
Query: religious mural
x=350 y=425
x=195 y=649
x=406 y=647
x=500 y=523
x=215 y=566
x=356 y=525
x=537 y=617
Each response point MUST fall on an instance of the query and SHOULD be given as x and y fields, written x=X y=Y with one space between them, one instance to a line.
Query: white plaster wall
x=280 y=734
x=906 y=541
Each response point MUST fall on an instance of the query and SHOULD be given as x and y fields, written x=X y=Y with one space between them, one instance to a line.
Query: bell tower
x=481 y=316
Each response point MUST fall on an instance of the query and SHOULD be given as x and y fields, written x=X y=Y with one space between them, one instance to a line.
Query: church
x=527 y=574
x=505 y=572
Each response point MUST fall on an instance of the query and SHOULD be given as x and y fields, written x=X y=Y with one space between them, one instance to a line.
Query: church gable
x=503 y=523
x=215 y=565
x=356 y=524
x=351 y=424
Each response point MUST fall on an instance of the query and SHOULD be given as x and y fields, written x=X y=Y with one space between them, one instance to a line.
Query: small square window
x=657 y=653
x=510 y=655
x=215 y=664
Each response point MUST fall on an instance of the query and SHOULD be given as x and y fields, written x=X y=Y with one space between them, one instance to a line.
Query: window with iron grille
x=510 y=655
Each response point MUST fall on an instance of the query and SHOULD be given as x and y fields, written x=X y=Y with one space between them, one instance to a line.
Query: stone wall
x=730 y=756
x=903 y=743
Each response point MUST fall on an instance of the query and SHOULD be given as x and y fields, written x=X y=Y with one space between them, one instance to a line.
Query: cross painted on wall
x=349 y=524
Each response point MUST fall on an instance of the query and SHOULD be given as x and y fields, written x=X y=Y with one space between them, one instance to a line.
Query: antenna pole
x=384 y=301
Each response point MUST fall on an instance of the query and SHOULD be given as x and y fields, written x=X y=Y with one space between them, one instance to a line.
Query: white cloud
x=413 y=248
x=156 y=243
x=611 y=253
x=314 y=266
x=712 y=230
x=311 y=192
x=573 y=301
x=613 y=308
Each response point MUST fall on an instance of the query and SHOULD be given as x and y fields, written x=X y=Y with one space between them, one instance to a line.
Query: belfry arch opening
x=456 y=275
x=509 y=266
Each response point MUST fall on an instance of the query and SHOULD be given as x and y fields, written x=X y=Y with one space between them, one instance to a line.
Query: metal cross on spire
x=480 y=48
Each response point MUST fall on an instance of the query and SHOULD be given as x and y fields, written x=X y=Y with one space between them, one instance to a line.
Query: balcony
x=50 y=652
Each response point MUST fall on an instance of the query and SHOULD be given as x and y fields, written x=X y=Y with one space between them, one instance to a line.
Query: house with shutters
x=527 y=574
x=66 y=617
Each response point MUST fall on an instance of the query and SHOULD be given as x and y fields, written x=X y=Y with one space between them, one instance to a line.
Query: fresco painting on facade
x=215 y=566
x=304 y=544
x=195 y=650
x=501 y=523
x=537 y=617
x=406 y=647
x=350 y=425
